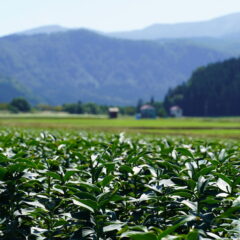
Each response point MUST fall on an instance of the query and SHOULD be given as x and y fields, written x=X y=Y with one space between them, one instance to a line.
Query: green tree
x=212 y=90
x=139 y=104
x=19 y=105
x=73 y=108
x=152 y=101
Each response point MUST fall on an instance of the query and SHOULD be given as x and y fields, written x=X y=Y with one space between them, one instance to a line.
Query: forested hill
x=213 y=90
x=82 y=65
x=10 y=89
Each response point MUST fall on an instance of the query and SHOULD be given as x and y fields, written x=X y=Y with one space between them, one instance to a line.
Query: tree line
x=22 y=105
x=213 y=90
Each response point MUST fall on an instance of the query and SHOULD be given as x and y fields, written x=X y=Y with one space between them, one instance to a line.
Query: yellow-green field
x=201 y=127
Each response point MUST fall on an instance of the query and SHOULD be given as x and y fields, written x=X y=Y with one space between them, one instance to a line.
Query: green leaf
x=3 y=171
x=193 y=235
x=105 y=198
x=89 y=186
x=190 y=169
x=106 y=180
x=68 y=175
x=222 y=155
x=182 y=193
x=113 y=227
x=185 y=152
x=176 y=226
x=139 y=235
x=90 y=203
x=59 y=223
x=224 y=186
x=225 y=178
x=236 y=202
x=206 y=170
x=202 y=184
x=36 y=204
x=87 y=231
x=192 y=205
x=125 y=168
x=53 y=175
x=213 y=235
x=210 y=200
x=83 y=205
x=229 y=212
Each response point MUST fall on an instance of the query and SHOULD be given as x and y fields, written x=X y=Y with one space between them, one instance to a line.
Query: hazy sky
x=107 y=15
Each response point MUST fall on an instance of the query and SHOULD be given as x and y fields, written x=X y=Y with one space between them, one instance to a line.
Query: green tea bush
x=79 y=186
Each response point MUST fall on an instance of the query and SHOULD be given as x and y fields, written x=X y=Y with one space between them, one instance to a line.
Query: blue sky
x=108 y=15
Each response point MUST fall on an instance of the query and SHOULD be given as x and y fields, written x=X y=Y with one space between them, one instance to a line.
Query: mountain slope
x=211 y=91
x=227 y=45
x=81 y=65
x=217 y=27
x=10 y=89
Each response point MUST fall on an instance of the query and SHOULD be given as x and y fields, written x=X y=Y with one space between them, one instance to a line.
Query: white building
x=176 y=111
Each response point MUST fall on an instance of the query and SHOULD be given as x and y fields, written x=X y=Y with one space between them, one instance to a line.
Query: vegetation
x=211 y=91
x=89 y=108
x=65 y=67
x=93 y=108
x=19 y=105
x=75 y=186
x=4 y=106
x=85 y=108
x=46 y=107
x=199 y=127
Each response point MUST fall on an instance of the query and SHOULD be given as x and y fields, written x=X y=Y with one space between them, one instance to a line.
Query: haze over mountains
x=225 y=26
x=60 y=65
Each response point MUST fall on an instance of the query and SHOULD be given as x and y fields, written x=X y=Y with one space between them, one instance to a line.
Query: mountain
x=215 y=28
x=45 y=30
x=212 y=90
x=82 y=65
x=10 y=89
x=227 y=45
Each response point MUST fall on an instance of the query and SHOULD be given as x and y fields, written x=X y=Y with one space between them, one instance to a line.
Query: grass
x=210 y=127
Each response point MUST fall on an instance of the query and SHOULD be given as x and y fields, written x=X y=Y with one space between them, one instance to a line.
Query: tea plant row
x=79 y=186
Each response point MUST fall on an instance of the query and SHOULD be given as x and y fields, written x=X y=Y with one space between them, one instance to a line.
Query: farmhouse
x=176 y=111
x=113 y=112
x=147 y=111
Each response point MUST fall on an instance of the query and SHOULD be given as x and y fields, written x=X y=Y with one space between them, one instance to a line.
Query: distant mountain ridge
x=45 y=30
x=221 y=34
x=217 y=27
x=82 y=65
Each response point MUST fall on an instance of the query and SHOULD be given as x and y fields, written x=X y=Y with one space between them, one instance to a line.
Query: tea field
x=197 y=127
x=70 y=185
